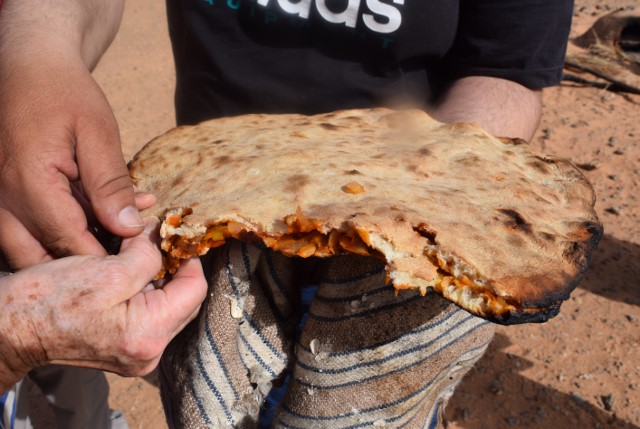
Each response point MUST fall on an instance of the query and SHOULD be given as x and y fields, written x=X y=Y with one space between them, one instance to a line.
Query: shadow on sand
x=496 y=387
x=495 y=395
x=614 y=271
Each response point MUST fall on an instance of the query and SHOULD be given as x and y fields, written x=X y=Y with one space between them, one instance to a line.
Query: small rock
x=618 y=152
x=613 y=210
x=607 y=402
x=586 y=166
x=546 y=133
x=630 y=317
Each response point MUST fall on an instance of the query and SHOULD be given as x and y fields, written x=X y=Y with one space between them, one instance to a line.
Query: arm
x=502 y=107
x=76 y=28
x=98 y=312
x=499 y=52
x=56 y=128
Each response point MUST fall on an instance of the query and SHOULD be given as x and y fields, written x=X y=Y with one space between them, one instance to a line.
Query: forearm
x=84 y=28
x=502 y=107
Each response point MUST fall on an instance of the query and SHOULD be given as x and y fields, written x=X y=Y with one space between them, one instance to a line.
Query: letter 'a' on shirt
x=310 y=56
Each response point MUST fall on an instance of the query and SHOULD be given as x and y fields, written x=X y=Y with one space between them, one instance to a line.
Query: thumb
x=141 y=254
x=106 y=182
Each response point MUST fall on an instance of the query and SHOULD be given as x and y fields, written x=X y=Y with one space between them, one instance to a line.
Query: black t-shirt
x=309 y=56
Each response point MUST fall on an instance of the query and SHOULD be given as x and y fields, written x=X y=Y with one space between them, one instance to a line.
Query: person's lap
x=362 y=355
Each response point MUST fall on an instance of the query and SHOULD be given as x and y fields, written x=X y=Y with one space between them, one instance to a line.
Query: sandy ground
x=579 y=370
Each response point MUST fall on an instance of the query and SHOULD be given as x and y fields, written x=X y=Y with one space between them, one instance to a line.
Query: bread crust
x=486 y=222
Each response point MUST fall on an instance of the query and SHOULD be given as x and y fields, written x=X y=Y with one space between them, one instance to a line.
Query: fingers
x=162 y=313
x=45 y=219
x=144 y=200
x=105 y=177
x=56 y=127
x=142 y=255
x=155 y=316
x=109 y=241
x=21 y=250
x=184 y=293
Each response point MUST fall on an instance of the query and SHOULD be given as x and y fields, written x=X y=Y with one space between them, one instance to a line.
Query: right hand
x=98 y=312
x=57 y=128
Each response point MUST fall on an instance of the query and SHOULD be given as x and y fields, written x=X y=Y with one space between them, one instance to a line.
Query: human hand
x=97 y=312
x=57 y=129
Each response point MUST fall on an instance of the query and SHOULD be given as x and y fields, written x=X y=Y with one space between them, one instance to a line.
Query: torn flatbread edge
x=453 y=278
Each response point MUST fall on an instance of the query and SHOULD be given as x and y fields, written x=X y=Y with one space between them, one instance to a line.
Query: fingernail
x=129 y=217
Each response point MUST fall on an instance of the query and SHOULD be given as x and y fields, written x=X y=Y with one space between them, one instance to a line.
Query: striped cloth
x=361 y=357
x=8 y=409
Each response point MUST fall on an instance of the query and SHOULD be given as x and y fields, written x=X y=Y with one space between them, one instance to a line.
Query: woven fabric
x=364 y=357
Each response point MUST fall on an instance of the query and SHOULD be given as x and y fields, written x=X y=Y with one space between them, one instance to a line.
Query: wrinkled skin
x=57 y=128
x=98 y=312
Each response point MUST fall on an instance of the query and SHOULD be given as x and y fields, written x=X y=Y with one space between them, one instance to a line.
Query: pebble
x=607 y=402
x=586 y=166
x=613 y=210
